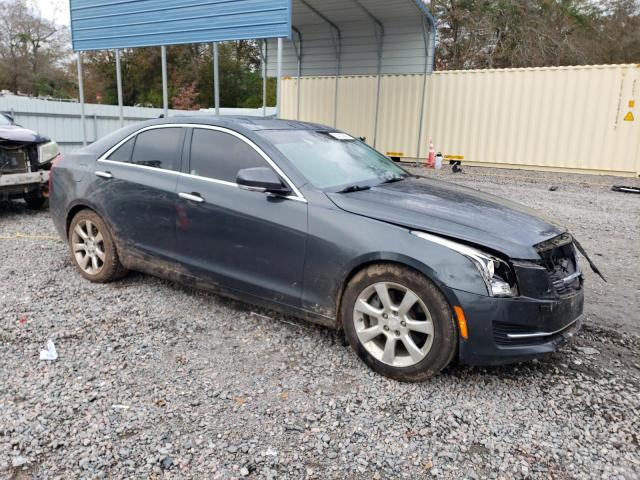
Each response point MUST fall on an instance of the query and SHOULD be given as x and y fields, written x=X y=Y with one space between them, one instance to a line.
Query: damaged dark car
x=25 y=160
x=312 y=222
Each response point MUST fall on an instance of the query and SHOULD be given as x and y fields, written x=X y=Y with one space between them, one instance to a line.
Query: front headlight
x=47 y=152
x=495 y=272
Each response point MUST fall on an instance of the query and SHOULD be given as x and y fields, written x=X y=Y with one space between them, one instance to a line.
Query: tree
x=185 y=99
x=536 y=33
x=190 y=72
x=33 y=51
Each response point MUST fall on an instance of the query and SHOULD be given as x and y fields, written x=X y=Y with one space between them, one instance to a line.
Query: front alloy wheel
x=393 y=324
x=398 y=322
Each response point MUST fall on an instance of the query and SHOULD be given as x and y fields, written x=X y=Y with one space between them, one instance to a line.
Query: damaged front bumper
x=16 y=185
x=24 y=179
x=505 y=330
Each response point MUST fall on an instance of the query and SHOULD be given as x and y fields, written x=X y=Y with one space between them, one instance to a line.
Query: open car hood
x=18 y=134
x=456 y=212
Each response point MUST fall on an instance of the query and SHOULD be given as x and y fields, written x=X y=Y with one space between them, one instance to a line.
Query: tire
x=35 y=202
x=416 y=339
x=88 y=236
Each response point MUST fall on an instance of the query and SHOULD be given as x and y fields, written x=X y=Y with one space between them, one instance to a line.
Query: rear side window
x=123 y=152
x=219 y=155
x=158 y=148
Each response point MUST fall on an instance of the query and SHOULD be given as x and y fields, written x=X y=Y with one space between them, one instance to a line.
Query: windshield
x=333 y=160
x=4 y=120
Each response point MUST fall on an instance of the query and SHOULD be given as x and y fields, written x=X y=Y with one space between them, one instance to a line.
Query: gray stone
x=18 y=461
x=588 y=350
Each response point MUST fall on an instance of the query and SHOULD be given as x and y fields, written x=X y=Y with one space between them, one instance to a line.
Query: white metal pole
x=338 y=69
x=335 y=98
x=119 y=85
x=216 y=79
x=380 y=43
x=81 y=95
x=427 y=71
x=298 y=85
x=279 y=80
x=264 y=78
x=165 y=93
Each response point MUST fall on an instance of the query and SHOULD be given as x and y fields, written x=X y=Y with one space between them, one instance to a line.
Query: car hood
x=454 y=211
x=16 y=133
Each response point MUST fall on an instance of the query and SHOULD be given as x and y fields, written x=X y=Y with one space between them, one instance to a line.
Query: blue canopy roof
x=105 y=24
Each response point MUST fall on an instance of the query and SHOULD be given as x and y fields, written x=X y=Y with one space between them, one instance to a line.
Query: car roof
x=247 y=125
x=242 y=122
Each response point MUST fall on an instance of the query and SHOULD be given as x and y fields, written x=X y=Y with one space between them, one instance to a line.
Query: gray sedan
x=310 y=221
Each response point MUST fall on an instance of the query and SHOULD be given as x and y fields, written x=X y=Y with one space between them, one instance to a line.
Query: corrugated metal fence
x=584 y=119
x=61 y=120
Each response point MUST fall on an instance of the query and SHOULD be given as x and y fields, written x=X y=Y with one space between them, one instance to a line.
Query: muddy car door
x=136 y=184
x=245 y=240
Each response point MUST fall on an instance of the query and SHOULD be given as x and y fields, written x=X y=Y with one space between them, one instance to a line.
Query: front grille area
x=502 y=330
x=564 y=286
x=13 y=161
x=560 y=260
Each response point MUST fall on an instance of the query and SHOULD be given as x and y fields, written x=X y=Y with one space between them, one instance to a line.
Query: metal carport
x=358 y=37
x=354 y=37
x=327 y=37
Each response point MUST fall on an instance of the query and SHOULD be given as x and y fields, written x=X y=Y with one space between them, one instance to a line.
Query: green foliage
x=32 y=51
x=536 y=33
x=189 y=70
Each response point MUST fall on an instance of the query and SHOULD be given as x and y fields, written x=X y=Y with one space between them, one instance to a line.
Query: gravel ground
x=155 y=380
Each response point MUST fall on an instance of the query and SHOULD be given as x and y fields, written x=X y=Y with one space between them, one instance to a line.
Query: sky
x=57 y=10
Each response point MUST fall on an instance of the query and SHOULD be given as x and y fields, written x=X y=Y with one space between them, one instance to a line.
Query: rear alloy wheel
x=398 y=322
x=92 y=248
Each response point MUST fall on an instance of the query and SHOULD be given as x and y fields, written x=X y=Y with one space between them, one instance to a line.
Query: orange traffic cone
x=431 y=159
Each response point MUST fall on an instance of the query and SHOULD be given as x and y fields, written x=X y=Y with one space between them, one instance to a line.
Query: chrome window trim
x=207 y=179
x=104 y=158
x=135 y=165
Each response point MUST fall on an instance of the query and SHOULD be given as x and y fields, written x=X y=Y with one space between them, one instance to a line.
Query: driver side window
x=219 y=155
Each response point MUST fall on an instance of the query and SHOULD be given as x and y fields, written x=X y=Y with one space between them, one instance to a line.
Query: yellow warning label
x=629 y=117
x=632 y=103
x=395 y=154
x=454 y=157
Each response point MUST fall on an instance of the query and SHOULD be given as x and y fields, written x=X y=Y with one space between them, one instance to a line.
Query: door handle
x=104 y=174
x=192 y=197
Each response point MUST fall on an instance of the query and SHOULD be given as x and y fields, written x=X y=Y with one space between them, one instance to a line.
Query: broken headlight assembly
x=47 y=152
x=496 y=273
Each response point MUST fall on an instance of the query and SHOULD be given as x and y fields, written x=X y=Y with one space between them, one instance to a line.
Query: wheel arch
x=72 y=212
x=76 y=207
x=388 y=258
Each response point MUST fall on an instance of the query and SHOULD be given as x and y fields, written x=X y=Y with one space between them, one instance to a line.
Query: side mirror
x=261 y=179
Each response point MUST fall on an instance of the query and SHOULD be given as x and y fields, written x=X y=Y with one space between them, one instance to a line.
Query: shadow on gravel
x=614 y=349
x=18 y=207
